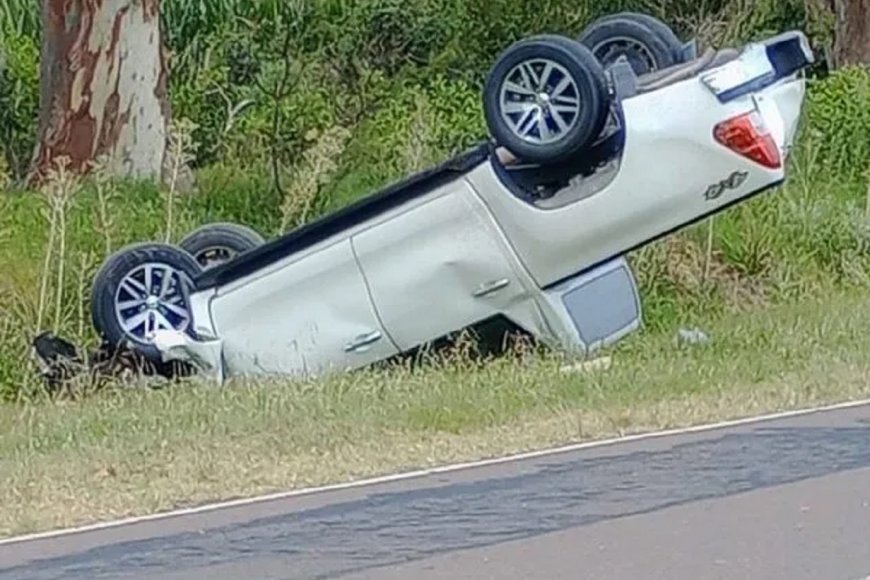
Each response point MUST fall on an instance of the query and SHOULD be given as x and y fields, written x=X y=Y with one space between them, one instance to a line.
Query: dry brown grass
x=318 y=164
x=691 y=267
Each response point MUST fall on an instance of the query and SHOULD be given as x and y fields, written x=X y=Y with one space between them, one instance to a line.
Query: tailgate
x=760 y=65
x=768 y=73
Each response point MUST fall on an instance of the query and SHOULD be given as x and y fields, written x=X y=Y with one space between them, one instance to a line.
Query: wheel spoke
x=561 y=88
x=136 y=321
x=162 y=323
x=517 y=88
x=176 y=310
x=174 y=298
x=545 y=76
x=565 y=100
x=150 y=324
x=524 y=122
x=165 y=282
x=543 y=128
x=518 y=107
x=134 y=288
x=149 y=278
x=564 y=108
x=529 y=77
x=127 y=305
x=560 y=121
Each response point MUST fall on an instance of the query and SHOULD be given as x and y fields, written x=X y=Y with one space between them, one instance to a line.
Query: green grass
x=131 y=452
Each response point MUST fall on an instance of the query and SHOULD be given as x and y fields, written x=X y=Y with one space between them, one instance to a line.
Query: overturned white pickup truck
x=598 y=147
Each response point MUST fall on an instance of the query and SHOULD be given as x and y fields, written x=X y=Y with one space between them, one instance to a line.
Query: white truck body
x=458 y=246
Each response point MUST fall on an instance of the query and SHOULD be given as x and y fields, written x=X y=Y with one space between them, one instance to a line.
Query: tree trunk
x=852 y=36
x=102 y=87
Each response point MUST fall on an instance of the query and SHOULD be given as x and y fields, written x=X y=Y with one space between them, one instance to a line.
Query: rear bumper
x=759 y=66
x=788 y=97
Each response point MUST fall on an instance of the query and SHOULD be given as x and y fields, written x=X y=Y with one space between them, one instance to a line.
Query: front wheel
x=139 y=290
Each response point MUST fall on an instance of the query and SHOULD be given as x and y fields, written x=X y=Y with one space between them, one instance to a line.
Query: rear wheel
x=139 y=290
x=546 y=98
x=214 y=244
x=645 y=41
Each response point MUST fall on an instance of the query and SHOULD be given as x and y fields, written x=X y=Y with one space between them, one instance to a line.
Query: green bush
x=222 y=49
x=232 y=193
x=838 y=111
x=19 y=18
x=19 y=101
x=418 y=126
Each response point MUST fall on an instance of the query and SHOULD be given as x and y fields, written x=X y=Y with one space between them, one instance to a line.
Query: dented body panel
x=318 y=315
x=444 y=258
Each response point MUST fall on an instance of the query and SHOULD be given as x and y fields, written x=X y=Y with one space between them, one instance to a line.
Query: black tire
x=589 y=87
x=214 y=244
x=665 y=32
x=106 y=293
x=648 y=43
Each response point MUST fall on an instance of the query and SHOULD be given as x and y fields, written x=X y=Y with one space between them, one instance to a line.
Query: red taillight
x=747 y=135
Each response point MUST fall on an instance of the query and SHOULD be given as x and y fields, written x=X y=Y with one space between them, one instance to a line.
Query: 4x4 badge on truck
x=734 y=181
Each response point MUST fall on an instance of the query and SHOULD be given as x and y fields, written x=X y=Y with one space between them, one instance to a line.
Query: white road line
x=427 y=472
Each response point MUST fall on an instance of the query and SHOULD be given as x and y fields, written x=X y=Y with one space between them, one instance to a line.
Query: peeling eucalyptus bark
x=102 y=87
x=852 y=37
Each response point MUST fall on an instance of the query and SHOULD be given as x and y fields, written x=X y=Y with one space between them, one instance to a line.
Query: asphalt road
x=784 y=499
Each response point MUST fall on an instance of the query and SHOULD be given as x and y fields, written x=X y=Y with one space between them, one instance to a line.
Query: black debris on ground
x=63 y=366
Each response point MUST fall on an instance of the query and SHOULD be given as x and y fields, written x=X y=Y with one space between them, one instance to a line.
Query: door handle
x=489 y=287
x=363 y=341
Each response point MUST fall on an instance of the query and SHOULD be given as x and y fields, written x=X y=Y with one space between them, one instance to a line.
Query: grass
x=125 y=453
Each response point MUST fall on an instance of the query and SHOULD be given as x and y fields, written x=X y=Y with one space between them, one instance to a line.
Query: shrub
x=222 y=48
x=839 y=112
x=417 y=126
x=19 y=100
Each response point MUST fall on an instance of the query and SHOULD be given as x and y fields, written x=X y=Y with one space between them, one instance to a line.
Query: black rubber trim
x=368 y=207
x=673 y=230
